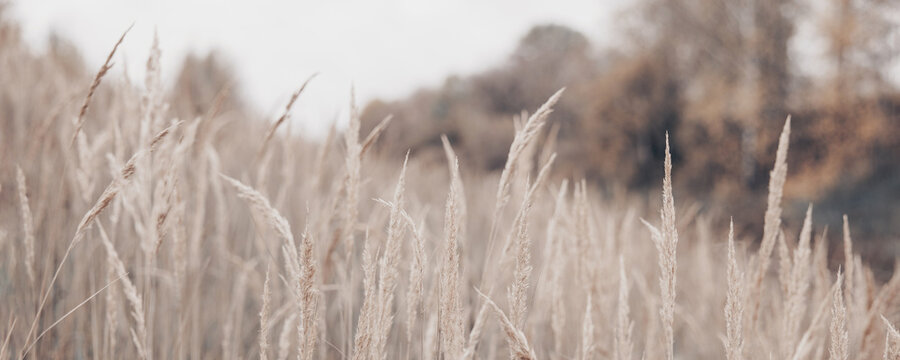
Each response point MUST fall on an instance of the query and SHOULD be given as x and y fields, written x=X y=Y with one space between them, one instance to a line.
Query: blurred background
x=720 y=76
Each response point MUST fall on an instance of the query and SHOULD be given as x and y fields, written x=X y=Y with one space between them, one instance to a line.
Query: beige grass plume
x=139 y=330
x=27 y=225
x=521 y=141
x=798 y=285
x=416 y=279
x=734 y=308
x=587 y=330
x=518 y=344
x=112 y=190
x=390 y=262
x=772 y=222
x=281 y=119
x=666 y=242
x=301 y=265
x=79 y=121
x=891 y=341
x=518 y=291
x=624 y=326
x=839 y=349
x=451 y=321
x=264 y=320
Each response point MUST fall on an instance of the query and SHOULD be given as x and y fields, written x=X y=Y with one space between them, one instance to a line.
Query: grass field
x=125 y=233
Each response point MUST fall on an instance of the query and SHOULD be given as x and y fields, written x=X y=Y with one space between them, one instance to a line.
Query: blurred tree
x=199 y=81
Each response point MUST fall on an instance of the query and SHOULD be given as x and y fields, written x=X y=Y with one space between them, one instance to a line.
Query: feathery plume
x=79 y=121
x=624 y=325
x=772 y=222
x=416 y=279
x=734 y=309
x=27 y=225
x=451 y=324
x=284 y=337
x=139 y=331
x=891 y=341
x=518 y=344
x=284 y=116
x=848 y=262
x=798 y=284
x=666 y=244
x=587 y=330
x=390 y=261
x=264 y=319
x=839 y=335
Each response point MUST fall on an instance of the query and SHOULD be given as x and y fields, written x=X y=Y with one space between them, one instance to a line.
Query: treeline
x=720 y=76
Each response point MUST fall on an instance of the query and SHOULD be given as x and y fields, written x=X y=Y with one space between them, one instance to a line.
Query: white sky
x=385 y=48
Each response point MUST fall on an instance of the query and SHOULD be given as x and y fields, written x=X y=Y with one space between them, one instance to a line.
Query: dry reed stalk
x=301 y=266
x=624 y=326
x=822 y=276
x=345 y=234
x=454 y=174
x=163 y=205
x=416 y=279
x=390 y=262
x=4 y=349
x=263 y=209
x=79 y=121
x=772 y=221
x=139 y=331
x=451 y=321
x=375 y=133
x=66 y=315
x=319 y=164
x=365 y=324
x=734 y=309
x=352 y=161
x=264 y=319
x=557 y=250
x=518 y=291
x=583 y=236
x=110 y=193
x=798 y=284
x=886 y=296
x=784 y=260
x=521 y=141
x=27 y=226
x=112 y=315
x=528 y=200
x=815 y=335
x=309 y=297
x=666 y=245
x=284 y=339
x=891 y=341
x=281 y=119
x=839 y=336
x=848 y=264
x=518 y=344
x=587 y=330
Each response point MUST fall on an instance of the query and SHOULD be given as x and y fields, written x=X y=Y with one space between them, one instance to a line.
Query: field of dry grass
x=126 y=233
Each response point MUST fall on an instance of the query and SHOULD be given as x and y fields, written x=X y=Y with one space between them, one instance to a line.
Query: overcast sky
x=386 y=49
